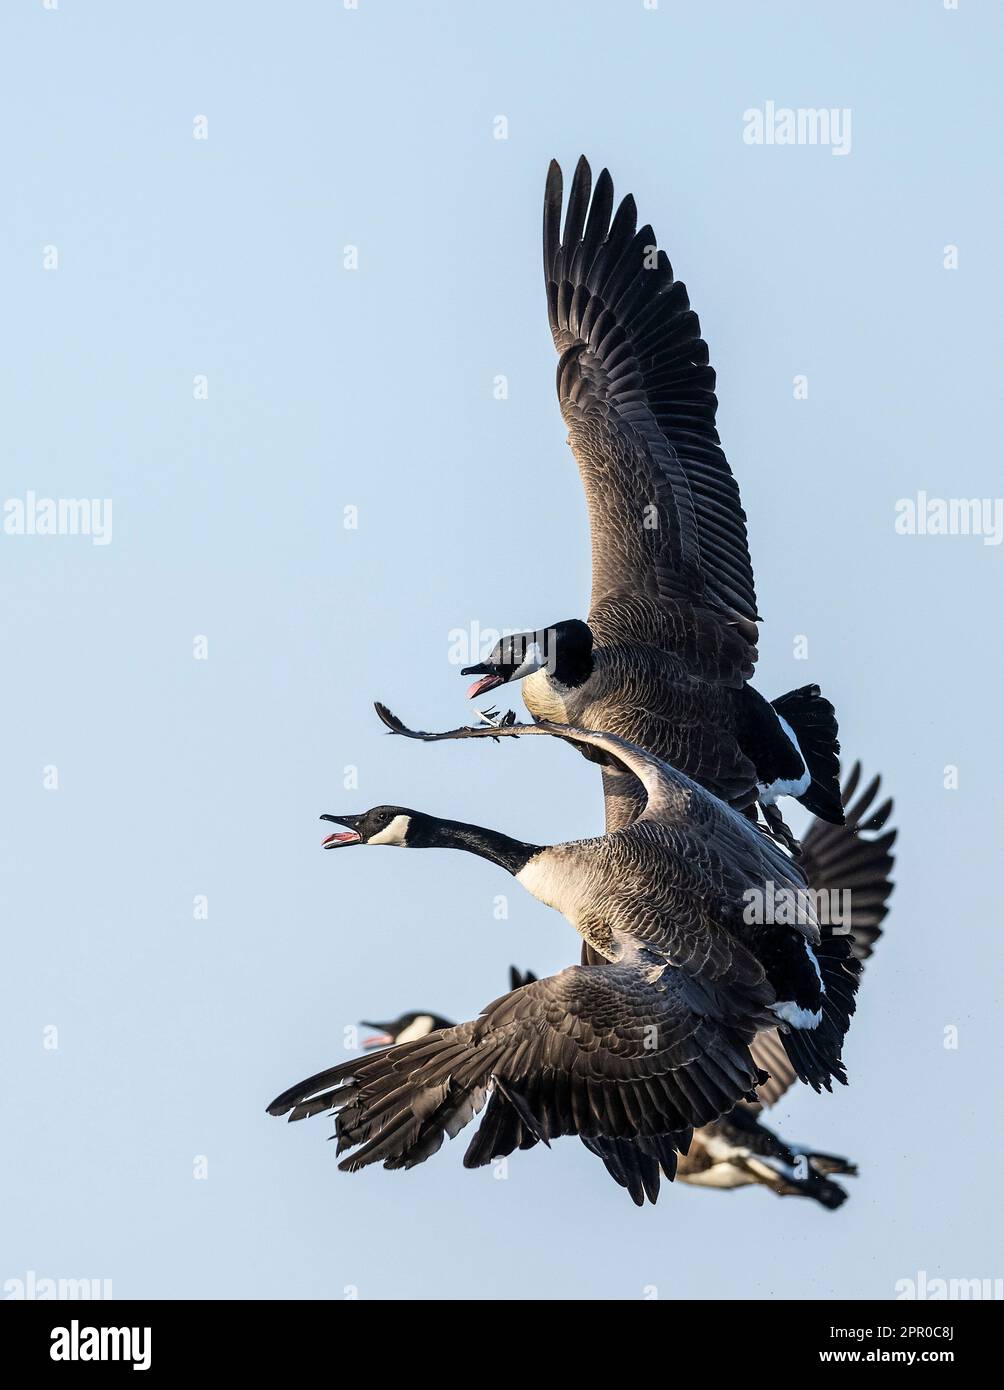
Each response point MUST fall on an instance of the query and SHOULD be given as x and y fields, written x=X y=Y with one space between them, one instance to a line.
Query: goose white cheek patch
x=394 y=834
x=533 y=660
x=418 y=1028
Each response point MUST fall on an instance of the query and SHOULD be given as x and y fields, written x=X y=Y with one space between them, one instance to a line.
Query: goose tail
x=827 y=1193
x=813 y=721
x=814 y=1053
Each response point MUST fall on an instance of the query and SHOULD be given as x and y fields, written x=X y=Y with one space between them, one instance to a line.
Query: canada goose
x=646 y=1045
x=739 y=1150
x=670 y=642
x=609 y=886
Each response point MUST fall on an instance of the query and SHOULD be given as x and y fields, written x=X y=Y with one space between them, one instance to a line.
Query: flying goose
x=646 y=1045
x=739 y=1150
x=670 y=644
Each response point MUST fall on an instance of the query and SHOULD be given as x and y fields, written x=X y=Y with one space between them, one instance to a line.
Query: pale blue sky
x=330 y=388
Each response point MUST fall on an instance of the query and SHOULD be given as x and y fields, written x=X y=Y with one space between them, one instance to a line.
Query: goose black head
x=408 y=1028
x=564 y=650
x=397 y=825
x=383 y=825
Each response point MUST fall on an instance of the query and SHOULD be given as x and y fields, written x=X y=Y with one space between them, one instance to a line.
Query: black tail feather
x=814 y=723
x=815 y=1052
x=822 y=1190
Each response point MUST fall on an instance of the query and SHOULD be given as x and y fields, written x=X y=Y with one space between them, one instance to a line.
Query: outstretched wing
x=671 y=799
x=638 y=396
x=599 y=1052
x=667 y=792
x=854 y=861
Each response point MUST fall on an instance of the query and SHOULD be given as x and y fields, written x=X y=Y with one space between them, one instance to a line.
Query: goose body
x=645 y=1045
x=738 y=1149
x=669 y=648
x=675 y=887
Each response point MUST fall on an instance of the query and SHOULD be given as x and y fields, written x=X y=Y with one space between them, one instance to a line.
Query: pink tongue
x=485 y=683
x=345 y=838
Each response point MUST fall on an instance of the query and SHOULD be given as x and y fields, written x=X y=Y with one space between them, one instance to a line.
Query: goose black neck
x=572 y=652
x=573 y=668
x=501 y=849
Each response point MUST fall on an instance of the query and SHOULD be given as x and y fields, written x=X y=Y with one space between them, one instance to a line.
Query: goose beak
x=347 y=837
x=382 y=1038
x=489 y=679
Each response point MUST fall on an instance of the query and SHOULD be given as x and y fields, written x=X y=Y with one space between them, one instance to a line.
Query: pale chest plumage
x=547 y=698
x=558 y=878
x=621 y=681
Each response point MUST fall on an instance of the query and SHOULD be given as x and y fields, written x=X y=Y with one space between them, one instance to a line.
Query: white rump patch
x=781 y=788
x=793 y=1013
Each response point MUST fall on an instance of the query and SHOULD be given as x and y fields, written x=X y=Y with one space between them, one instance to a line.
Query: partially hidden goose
x=670 y=643
x=648 y=1044
x=406 y=1028
x=739 y=1150
x=415 y=1024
